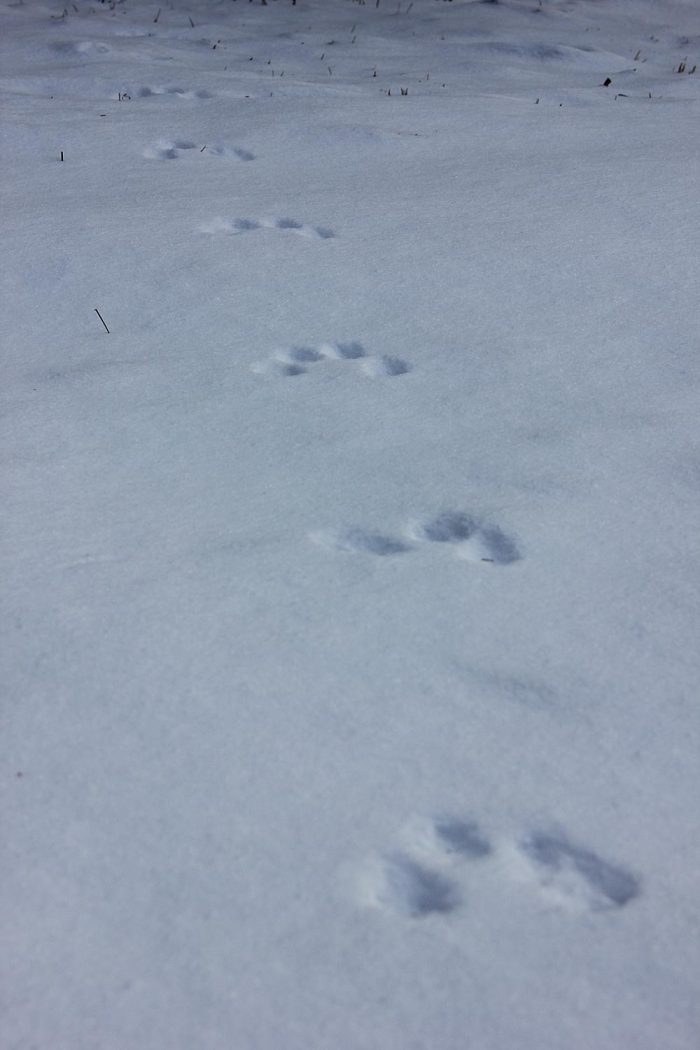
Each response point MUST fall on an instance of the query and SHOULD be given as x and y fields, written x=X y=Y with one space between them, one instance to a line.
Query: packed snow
x=351 y=475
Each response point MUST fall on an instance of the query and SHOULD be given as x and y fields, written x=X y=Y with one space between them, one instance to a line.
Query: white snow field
x=351 y=583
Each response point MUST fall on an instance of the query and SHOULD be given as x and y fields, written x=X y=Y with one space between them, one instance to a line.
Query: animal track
x=361 y=540
x=384 y=366
x=411 y=882
x=294 y=362
x=82 y=47
x=473 y=540
x=229 y=151
x=447 y=838
x=447 y=527
x=178 y=92
x=164 y=150
x=233 y=226
x=343 y=351
x=407 y=888
x=408 y=884
x=167 y=150
x=576 y=876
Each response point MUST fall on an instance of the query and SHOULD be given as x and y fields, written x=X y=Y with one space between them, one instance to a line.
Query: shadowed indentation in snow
x=178 y=92
x=286 y=225
x=306 y=354
x=301 y=227
x=577 y=875
x=361 y=540
x=538 y=52
x=471 y=541
x=244 y=225
x=338 y=351
x=407 y=888
x=475 y=541
x=229 y=151
x=275 y=367
x=493 y=545
x=81 y=47
x=165 y=150
x=288 y=362
x=344 y=351
x=462 y=837
x=518 y=688
x=447 y=527
x=375 y=367
x=446 y=838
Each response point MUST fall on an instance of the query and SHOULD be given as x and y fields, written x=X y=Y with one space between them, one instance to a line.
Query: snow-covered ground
x=352 y=581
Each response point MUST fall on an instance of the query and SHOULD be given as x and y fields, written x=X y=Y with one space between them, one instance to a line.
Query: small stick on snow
x=102 y=319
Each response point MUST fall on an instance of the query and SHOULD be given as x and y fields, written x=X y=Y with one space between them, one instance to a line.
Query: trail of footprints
x=238 y=226
x=166 y=149
x=471 y=538
x=296 y=361
x=426 y=875
x=177 y=92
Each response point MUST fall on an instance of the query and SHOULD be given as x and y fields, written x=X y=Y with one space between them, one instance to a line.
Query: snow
x=351 y=582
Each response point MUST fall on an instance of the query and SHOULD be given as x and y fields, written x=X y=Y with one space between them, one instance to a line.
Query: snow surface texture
x=352 y=581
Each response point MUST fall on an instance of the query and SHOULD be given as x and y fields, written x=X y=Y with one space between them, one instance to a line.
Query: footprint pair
x=411 y=881
x=296 y=360
x=422 y=878
x=172 y=149
x=178 y=92
x=473 y=540
x=238 y=226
